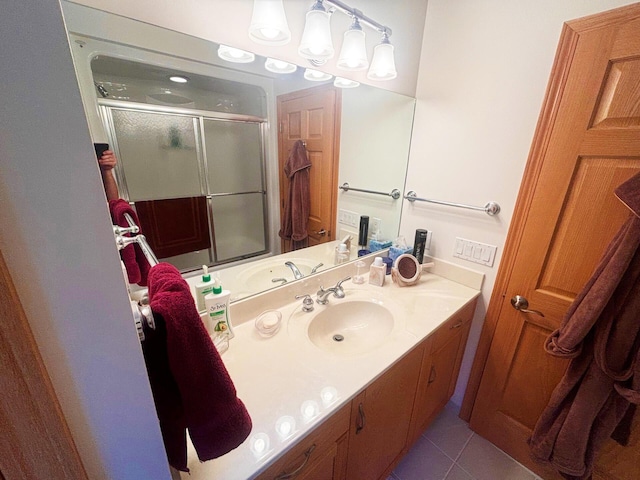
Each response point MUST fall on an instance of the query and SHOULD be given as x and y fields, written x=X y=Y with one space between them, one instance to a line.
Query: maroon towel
x=298 y=206
x=134 y=260
x=196 y=393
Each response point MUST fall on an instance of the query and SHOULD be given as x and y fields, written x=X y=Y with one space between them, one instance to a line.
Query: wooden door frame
x=337 y=115
x=37 y=442
x=569 y=37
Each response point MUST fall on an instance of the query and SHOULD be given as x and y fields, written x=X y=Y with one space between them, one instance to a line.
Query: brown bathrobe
x=601 y=334
x=296 y=210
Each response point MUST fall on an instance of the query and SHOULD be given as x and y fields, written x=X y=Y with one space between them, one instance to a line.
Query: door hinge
x=281 y=128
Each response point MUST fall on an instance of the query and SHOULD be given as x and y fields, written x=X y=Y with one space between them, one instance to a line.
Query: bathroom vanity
x=344 y=409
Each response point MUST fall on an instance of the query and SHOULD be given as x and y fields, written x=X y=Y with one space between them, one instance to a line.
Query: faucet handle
x=339 y=284
x=307 y=302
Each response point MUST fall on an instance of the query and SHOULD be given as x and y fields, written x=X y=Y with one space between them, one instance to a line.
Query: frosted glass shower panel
x=158 y=154
x=234 y=156
x=238 y=221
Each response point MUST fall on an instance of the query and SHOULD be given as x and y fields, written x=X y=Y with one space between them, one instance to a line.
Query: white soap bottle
x=203 y=288
x=342 y=254
x=377 y=272
x=218 y=315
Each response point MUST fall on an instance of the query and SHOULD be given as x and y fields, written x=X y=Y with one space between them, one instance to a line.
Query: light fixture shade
x=235 y=55
x=353 y=55
x=345 y=83
x=316 y=75
x=383 y=65
x=279 y=66
x=269 y=23
x=316 y=43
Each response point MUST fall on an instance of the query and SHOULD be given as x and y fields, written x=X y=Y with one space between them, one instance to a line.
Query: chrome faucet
x=315 y=269
x=338 y=292
x=296 y=273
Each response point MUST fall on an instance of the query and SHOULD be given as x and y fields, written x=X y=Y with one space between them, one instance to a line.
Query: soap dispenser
x=342 y=254
x=377 y=272
x=203 y=288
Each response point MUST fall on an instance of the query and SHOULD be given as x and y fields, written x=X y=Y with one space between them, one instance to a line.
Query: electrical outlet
x=374 y=225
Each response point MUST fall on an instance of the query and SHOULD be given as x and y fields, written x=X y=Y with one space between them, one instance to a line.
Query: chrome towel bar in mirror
x=395 y=193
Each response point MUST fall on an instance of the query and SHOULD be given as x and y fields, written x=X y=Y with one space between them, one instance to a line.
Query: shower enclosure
x=190 y=162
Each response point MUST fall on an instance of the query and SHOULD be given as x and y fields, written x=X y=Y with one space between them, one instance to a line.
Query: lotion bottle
x=377 y=272
x=342 y=254
x=203 y=288
x=218 y=316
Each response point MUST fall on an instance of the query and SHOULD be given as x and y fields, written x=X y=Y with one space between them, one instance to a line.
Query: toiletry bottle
x=342 y=254
x=377 y=272
x=363 y=236
x=203 y=288
x=218 y=316
x=419 y=244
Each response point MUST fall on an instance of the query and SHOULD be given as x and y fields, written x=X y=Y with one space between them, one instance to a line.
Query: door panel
x=312 y=115
x=587 y=144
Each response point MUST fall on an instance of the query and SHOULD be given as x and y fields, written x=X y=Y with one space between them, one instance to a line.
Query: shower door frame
x=106 y=106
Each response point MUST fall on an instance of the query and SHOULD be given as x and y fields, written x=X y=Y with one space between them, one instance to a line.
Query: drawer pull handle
x=432 y=375
x=361 y=419
x=307 y=456
x=457 y=325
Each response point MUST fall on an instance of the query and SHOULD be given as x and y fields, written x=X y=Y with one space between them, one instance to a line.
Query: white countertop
x=275 y=376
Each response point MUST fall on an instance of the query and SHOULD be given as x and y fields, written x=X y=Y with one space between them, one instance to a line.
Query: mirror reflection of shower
x=190 y=159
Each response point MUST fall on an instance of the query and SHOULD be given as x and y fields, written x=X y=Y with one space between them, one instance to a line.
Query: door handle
x=322 y=232
x=522 y=305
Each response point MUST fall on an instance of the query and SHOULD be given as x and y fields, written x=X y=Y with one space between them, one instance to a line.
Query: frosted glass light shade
x=316 y=75
x=235 y=55
x=316 y=43
x=383 y=65
x=269 y=23
x=353 y=55
x=345 y=83
x=279 y=66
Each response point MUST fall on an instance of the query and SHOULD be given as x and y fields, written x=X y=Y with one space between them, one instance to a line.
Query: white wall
x=59 y=248
x=483 y=73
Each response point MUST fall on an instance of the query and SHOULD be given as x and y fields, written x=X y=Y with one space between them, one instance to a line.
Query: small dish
x=268 y=323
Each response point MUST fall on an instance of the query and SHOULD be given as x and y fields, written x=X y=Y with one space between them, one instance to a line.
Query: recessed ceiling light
x=316 y=75
x=279 y=66
x=178 y=79
x=235 y=55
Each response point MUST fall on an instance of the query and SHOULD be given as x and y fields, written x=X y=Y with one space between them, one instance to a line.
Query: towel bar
x=395 y=193
x=491 y=208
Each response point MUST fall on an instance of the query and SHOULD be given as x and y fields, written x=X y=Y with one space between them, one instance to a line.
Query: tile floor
x=449 y=450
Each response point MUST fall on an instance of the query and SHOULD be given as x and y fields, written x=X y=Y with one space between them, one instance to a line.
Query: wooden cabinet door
x=440 y=367
x=321 y=455
x=380 y=419
x=587 y=143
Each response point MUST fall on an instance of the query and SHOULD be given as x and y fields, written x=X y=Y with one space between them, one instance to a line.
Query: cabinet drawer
x=453 y=326
x=306 y=454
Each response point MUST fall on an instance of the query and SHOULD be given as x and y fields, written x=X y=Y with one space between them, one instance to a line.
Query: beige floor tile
x=457 y=473
x=451 y=439
x=423 y=462
x=484 y=461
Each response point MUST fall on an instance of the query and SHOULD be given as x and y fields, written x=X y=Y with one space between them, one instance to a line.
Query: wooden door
x=35 y=440
x=587 y=143
x=313 y=116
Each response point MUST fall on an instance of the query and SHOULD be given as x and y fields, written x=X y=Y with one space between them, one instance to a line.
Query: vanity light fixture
x=310 y=410
x=235 y=55
x=316 y=44
x=383 y=66
x=285 y=426
x=316 y=75
x=353 y=55
x=179 y=79
x=269 y=23
x=329 y=395
x=279 y=66
x=259 y=444
x=345 y=83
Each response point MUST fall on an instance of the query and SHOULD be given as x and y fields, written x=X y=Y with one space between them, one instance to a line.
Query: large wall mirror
x=206 y=153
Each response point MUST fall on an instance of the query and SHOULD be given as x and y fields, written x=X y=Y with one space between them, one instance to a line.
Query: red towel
x=134 y=260
x=196 y=392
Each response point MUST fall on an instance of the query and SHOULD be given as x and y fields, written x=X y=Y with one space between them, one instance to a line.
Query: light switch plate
x=475 y=252
x=349 y=218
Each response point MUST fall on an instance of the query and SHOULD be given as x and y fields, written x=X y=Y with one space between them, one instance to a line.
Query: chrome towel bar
x=395 y=193
x=491 y=208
